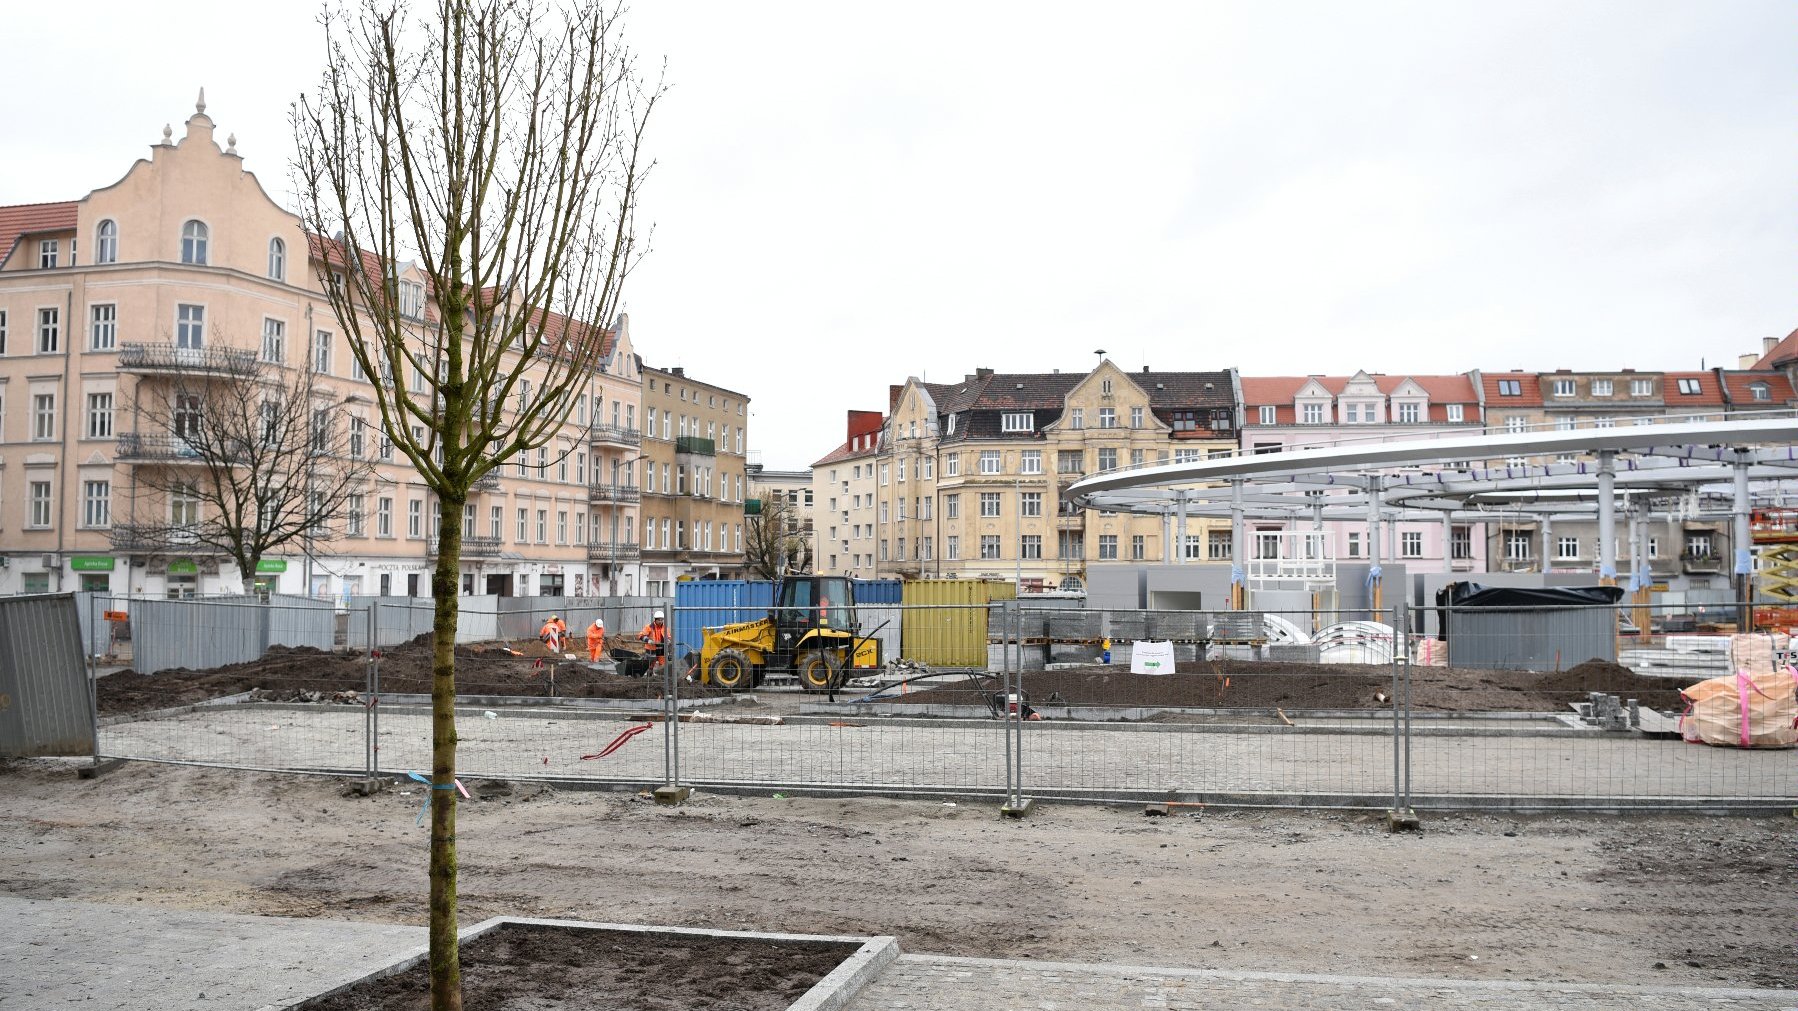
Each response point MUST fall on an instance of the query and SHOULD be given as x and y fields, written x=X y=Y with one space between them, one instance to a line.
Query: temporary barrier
x=877 y=591
x=45 y=708
x=700 y=604
x=945 y=621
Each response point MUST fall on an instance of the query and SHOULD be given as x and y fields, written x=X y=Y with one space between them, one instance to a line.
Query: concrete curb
x=832 y=993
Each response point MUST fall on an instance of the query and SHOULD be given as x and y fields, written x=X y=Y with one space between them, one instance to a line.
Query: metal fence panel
x=191 y=634
x=1491 y=638
x=45 y=707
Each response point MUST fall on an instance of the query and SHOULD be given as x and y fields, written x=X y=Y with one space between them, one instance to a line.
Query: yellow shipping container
x=944 y=620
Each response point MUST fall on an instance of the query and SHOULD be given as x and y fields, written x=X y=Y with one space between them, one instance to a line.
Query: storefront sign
x=91 y=563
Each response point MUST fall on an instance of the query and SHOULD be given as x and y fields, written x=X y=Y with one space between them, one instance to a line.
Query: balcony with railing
x=694 y=445
x=135 y=446
x=618 y=494
x=486 y=482
x=152 y=537
x=472 y=547
x=136 y=357
x=1701 y=561
x=615 y=435
x=614 y=551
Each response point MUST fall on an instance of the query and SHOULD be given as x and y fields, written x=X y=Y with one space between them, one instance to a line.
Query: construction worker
x=551 y=633
x=655 y=638
x=596 y=640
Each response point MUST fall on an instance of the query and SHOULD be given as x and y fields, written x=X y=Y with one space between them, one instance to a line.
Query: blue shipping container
x=708 y=603
x=877 y=591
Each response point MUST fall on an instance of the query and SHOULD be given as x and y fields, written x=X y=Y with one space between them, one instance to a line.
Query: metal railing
x=616 y=435
x=472 y=547
x=614 y=551
x=152 y=536
x=136 y=446
x=624 y=494
x=140 y=357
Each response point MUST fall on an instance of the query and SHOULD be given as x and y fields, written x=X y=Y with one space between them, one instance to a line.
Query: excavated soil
x=574 y=969
x=1248 y=684
x=304 y=674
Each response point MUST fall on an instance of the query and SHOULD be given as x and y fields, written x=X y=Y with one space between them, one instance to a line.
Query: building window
x=103 y=329
x=1069 y=461
x=1312 y=414
x=274 y=341
x=989 y=546
x=1604 y=422
x=384 y=517
x=43 y=417
x=49 y=331
x=2 y=331
x=1352 y=414
x=415 y=518
x=1020 y=421
x=990 y=461
x=412 y=300
x=1601 y=387
x=1456 y=413
x=1217 y=546
x=1698 y=545
x=1688 y=387
x=989 y=504
x=1460 y=543
x=1641 y=387
x=46 y=253
x=1190 y=455
x=99 y=415
x=190 y=327
x=1354 y=544
x=1409 y=412
x=952 y=507
x=1108 y=547
x=1267 y=413
x=1105 y=387
x=1136 y=417
x=952 y=547
x=184 y=506
x=1108 y=458
x=1108 y=417
x=1410 y=544
x=96 y=503
x=106 y=242
x=1031 y=461
x=1517 y=423
x=1030 y=547
x=1567 y=547
x=277 y=260
x=193 y=242
x=543 y=526
x=1510 y=387
x=355 y=507
x=1517 y=545
x=1077 y=420
x=1138 y=547
x=1759 y=391
x=39 y=494
x=1030 y=504
x=1563 y=388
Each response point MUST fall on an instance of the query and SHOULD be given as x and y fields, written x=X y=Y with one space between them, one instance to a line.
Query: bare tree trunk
x=446 y=963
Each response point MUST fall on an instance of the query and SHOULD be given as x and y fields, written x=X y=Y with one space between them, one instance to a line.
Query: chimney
x=1768 y=344
x=984 y=373
x=1145 y=370
x=1747 y=361
x=679 y=370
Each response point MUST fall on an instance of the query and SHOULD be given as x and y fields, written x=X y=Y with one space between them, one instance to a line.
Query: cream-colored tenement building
x=186 y=267
x=696 y=439
x=969 y=476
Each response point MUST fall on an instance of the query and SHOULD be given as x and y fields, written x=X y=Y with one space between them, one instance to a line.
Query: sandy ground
x=1593 y=899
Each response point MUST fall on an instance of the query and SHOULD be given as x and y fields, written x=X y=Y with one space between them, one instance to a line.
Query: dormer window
x=277 y=260
x=1601 y=387
x=47 y=250
x=194 y=236
x=1510 y=387
x=106 y=242
x=1312 y=413
x=1409 y=412
x=1019 y=421
x=1563 y=388
x=1267 y=414
x=1760 y=391
x=412 y=300
x=1688 y=387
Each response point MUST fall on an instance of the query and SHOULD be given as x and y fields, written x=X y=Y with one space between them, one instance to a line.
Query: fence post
x=1016 y=805
x=93 y=674
x=1401 y=818
x=670 y=792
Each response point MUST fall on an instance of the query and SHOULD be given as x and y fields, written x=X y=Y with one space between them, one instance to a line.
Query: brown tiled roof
x=1278 y=392
x=1783 y=352
x=1709 y=393
x=1779 y=388
x=20 y=220
x=842 y=453
x=1531 y=395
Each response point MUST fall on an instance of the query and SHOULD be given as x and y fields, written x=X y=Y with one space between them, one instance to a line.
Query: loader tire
x=820 y=670
x=731 y=670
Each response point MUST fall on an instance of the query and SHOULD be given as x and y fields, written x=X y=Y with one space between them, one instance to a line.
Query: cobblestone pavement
x=970 y=754
x=936 y=983
x=57 y=953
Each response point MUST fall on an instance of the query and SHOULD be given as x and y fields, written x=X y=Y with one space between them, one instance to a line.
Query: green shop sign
x=183 y=565
x=271 y=565
x=91 y=563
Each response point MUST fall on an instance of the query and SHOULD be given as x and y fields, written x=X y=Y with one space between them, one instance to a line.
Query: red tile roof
x=1278 y=392
x=1783 y=352
x=1528 y=384
x=1708 y=395
x=20 y=220
x=1779 y=389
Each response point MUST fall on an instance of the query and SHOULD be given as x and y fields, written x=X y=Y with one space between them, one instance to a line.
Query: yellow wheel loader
x=810 y=632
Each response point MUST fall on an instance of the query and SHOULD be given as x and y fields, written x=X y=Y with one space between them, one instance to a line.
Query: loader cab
x=808 y=602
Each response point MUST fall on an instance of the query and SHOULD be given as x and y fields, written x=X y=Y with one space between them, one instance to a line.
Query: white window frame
x=1016 y=421
x=40 y=495
x=1312 y=413
x=49 y=330
x=1456 y=412
x=96 y=504
x=1562 y=388
x=1267 y=414
x=196 y=236
x=277 y=259
x=103 y=326
x=99 y=415
x=991 y=461
x=106 y=241
x=274 y=340
x=1602 y=387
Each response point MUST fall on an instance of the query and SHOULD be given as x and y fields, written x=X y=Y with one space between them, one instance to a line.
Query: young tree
x=499 y=144
x=773 y=542
x=257 y=457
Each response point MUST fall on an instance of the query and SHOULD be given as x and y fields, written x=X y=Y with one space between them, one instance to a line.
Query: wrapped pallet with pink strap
x=1744 y=710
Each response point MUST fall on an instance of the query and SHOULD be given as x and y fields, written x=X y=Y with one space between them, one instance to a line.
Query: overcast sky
x=848 y=194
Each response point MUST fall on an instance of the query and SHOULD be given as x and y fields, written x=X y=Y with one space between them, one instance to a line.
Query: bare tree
x=774 y=542
x=498 y=143
x=255 y=457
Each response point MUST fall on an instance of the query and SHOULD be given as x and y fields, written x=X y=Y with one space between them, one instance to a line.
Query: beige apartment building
x=185 y=268
x=695 y=438
x=843 y=528
x=970 y=476
x=792 y=490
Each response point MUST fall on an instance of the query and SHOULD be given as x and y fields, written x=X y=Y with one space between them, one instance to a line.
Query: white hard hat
x=658 y=614
x=601 y=622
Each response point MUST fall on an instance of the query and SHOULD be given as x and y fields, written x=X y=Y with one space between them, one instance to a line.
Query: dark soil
x=579 y=969
x=304 y=674
x=1247 y=684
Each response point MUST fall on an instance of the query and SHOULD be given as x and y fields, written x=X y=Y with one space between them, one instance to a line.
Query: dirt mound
x=300 y=672
x=1246 y=684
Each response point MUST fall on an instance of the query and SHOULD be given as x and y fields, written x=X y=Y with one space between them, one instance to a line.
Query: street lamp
x=612 y=547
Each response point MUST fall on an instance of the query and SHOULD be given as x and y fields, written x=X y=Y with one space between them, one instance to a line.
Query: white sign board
x=1152 y=657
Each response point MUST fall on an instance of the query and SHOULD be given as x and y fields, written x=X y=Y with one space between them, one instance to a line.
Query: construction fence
x=1520 y=709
